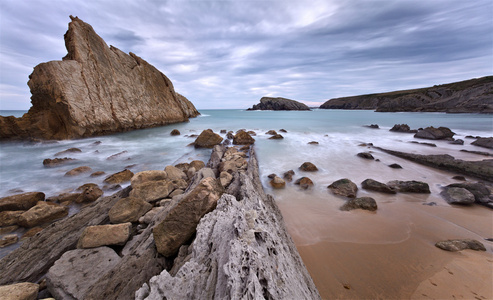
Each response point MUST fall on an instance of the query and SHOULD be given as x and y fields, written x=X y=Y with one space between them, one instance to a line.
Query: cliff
x=267 y=103
x=469 y=96
x=95 y=90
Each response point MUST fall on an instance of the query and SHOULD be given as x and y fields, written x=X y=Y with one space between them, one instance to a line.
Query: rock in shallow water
x=21 y=201
x=458 y=245
x=344 y=187
x=457 y=195
x=366 y=203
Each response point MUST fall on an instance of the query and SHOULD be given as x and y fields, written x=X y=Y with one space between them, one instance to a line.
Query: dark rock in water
x=460 y=244
x=430 y=203
x=477 y=152
x=459 y=177
x=129 y=93
x=276 y=137
x=480 y=169
x=70 y=150
x=97 y=174
x=457 y=142
x=208 y=139
x=482 y=194
x=277 y=182
x=268 y=103
x=370 y=184
x=313 y=143
x=288 y=175
x=22 y=201
x=77 y=270
x=304 y=183
x=402 y=128
x=432 y=133
x=344 y=187
x=243 y=138
x=175 y=132
x=48 y=162
x=411 y=186
x=120 y=177
x=395 y=166
x=223 y=131
x=283 y=130
x=78 y=171
x=181 y=222
x=366 y=203
x=426 y=144
x=271 y=132
x=366 y=155
x=457 y=195
x=469 y=96
x=89 y=193
x=308 y=167
x=484 y=142
x=230 y=135
x=271 y=176
x=373 y=126
x=117 y=155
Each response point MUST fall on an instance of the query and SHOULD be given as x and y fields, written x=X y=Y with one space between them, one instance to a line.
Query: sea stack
x=267 y=103
x=95 y=90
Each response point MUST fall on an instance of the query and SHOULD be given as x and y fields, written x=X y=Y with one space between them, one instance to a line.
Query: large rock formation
x=95 y=90
x=475 y=95
x=268 y=103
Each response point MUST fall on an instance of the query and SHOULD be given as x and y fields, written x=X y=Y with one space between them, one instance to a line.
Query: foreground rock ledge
x=95 y=90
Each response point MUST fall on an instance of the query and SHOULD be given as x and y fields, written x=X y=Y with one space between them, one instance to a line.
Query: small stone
x=277 y=182
x=308 y=167
x=460 y=244
x=395 y=166
x=283 y=130
x=276 y=137
x=366 y=155
x=304 y=183
x=175 y=132
x=78 y=171
x=366 y=203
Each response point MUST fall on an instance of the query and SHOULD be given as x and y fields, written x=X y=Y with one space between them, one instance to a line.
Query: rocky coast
x=279 y=103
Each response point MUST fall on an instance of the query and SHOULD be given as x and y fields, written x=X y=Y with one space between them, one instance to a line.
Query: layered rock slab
x=241 y=251
x=95 y=90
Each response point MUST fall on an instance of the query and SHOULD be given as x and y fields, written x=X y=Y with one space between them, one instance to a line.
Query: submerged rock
x=458 y=245
x=42 y=213
x=175 y=132
x=366 y=155
x=276 y=137
x=268 y=103
x=48 y=162
x=128 y=92
x=277 y=182
x=344 y=187
x=304 y=183
x=366 y=203
x=288 y=175
x=78 y=171
x=402 y=128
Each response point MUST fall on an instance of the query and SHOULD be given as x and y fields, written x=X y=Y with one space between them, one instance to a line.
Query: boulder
x=268 y=103
x=120 y=177
x=48 y=162
x=283 y=130
x=77 y=270
x=78 y=171
x=432 y=133
x=89 y=193
x=308 y=167
x=181 y=222
x=344 y=187
x=230 y=135
x=457 y=195
x=20 y=291
x=225 y=178
x=152 y=191
x=288 y=176
x=481 y=192
x=128 y=210
x=197 y=164
x=457 y=142
x=277 y=182
x=460 y=244
x=8 y=240
x=104 y=235
x=145 y=176
x=97 y=174
x=128 y=92
x=207 y=139
x=41 y=213
x=411 y=186
x=276 y=137
x=366 y=203
x=243 y=138
x=271 y=132
x=395 y=166
x=366 y=155
x=21 y=201
x=9 y=218
x=175 y=132
x=484 y=142
x=304 y=183
x=70 y=150
x=174 y=173
x=370 y=184
x=402 y=128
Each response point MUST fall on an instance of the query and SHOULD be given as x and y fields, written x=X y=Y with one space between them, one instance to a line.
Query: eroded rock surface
x=95 y=90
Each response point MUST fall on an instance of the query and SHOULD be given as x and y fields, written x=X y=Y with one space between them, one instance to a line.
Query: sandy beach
x=390 y=253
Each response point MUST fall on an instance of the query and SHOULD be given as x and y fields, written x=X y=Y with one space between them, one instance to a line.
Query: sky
x=230 y=53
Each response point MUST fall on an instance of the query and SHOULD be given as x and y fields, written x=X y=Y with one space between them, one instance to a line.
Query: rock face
x=268 y=103
x=472 y=95
x=95 y=90
x=241 y=251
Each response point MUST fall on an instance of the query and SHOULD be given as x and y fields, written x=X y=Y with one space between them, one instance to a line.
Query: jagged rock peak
x=268 y=103
x=95 y=90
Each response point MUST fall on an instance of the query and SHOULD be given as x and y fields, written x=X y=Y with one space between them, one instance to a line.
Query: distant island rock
x=268 y=103
x=95 y=90
x=469 y=96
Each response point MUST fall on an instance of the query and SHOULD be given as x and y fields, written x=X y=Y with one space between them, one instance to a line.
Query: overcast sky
x=228 y=54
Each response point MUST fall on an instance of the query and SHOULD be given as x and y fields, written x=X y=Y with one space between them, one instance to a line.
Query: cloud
x=228 y=54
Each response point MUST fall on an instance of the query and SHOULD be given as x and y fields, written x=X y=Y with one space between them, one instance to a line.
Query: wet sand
x=390 y=253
